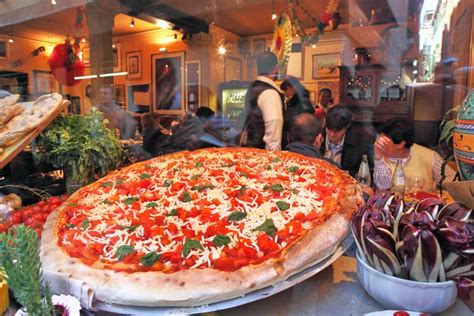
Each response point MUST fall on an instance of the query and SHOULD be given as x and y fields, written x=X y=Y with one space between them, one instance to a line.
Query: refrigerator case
x=232 y=99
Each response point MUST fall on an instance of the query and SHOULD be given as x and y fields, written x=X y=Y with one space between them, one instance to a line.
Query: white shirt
x=269 y=102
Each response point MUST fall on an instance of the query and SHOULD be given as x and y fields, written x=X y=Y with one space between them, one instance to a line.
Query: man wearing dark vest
x=264 y=106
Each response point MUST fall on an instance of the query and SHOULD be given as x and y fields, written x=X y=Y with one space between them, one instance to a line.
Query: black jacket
x=254 y=123
x=355 y=146
x=308 y=151
x=294 y=107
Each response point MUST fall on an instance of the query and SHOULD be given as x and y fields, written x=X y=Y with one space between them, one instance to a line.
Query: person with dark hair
x=203 y=112
x=297 y=102
x=341 y=143
x=305 y=136
x=397 y=142
x=118 y=119
x=325 y=102
x=264 y=107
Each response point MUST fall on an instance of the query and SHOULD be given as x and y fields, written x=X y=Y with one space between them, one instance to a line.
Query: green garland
x=310 y=38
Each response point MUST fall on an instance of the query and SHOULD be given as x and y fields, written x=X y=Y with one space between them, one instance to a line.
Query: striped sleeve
x=449 y=172
x=382 y=175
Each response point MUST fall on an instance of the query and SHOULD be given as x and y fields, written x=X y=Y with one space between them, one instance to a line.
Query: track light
x=274 y=16
x=132 y=23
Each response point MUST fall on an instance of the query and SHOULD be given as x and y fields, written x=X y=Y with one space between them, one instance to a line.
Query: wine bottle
x=398 y=180
x=363 y=175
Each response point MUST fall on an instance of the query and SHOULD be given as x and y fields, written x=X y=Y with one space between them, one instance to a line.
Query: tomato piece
x=299 y=216
x=311 y=216
x=177 y=186
x=78 y=243
x=223 y=263
x=401 y=313
x=144 y=183
x=172 y=228
x=294 y=227
x=16 y=218
x=266 y=244
x=251 y=253
x=90 y=254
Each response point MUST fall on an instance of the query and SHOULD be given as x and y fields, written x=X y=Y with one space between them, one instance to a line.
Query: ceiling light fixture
x=83 y=40
x=113 y=45
x=163 y=24
x=11 y=40
x=113 y=74
x=132 y=22
x=53 y=2
x=162 y=49
x=274 y=16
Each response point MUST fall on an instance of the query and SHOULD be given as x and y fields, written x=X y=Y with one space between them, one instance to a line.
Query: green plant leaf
x=149 y=259
x=282 y=205
x=189 y=245
x=152 y=204
x=236 y=216
x=130 y=200
x=186 y=197
x=173 y=212
x=202 y=187
x=123 y=251
x=221 y=240
x=168 y=183
x=144 y=176
x=277 y=187
x=267 y=226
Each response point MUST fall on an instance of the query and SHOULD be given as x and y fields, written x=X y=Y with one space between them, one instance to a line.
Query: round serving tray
x=309 y=271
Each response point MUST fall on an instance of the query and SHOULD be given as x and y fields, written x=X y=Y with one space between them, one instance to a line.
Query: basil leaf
x=293 y=169
x=70 y=226
x=149 y=259
x=148 y=167
x=294 y=191
x=106 y=184
x=106 y=202
x=221 y=240
x=85 y=223
x=269 y=167
x=130 y=200
x=124 y=250
x=282 y=205
x=202 y=187
x=130 y=228
x=268 y=227
x=186 y=197
x=144 y=176
x=243 y=174
x=168 y=183
x=276 y=160
x=242 y=190
x=119 y=182
x=152 y=204
x=175 y=169
x=277 y=187
x=198 y=165
x=72 y=204
x=227 y=165
x=195 y=177
x=189 y=245
x=236 y=216
x=173 y=212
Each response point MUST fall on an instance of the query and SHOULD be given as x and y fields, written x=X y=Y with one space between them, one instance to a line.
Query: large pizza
x=198 y=227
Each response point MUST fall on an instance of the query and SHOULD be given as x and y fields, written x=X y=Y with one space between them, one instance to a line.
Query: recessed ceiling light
x=162 y=49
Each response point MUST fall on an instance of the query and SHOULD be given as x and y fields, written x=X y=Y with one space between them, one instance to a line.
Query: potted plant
x=82 y=146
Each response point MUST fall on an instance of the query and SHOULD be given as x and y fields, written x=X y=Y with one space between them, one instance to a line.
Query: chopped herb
x=221 y=240
x=152 y=204
x=294 y=191
x=277 y=187
x=106 y=202
x=276 y=160
x=189 y=245
x=175 y=169
x=198 y=165
x=236 y=216
x=144 y=176
x=268 y=227
x=149 y=259
x=242 y=190
x=269 y=167
x=227 y=165
x=123 y=251
x=85 y=223
x=148 y=167
x=282 y=205
x=202 y=187
x=168 y=183
x=106 y=184
x=243 y=174
x=130 y=228
x=266 y=187
x=72 y=204
x=195 y=177
x=186 y=197
x=70 y=225
x=130 y=200
x=293 y=169
x=173 y=212
x=119 y=182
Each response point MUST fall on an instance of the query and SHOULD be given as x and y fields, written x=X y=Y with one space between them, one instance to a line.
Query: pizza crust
x=201 y=286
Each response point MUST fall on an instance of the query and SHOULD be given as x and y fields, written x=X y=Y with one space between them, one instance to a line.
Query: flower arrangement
x=426 y=241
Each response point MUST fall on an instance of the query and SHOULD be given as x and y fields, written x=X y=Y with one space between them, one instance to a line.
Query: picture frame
x=258 y=46
x=134 y=64
x=119 y=93
x=86 y=56
x=75 y=105
x=193 y=84
x=4 y=49
x=332 y=85
x=117 y=56
x=168 y=83
x=325 y=66
x=42 y=81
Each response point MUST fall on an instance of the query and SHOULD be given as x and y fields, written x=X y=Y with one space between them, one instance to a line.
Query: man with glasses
x=342 y=144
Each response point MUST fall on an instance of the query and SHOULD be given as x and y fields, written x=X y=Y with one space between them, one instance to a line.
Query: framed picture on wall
x=193 y=84
x=258 y=46
x=232 y=69
x=325 y=65
x=75 y=105
x=86 y=56
x=167 y=79
x=42 y=81
x=134 y=65
x=332 y=85
x=3 y=48
x=117 y=56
